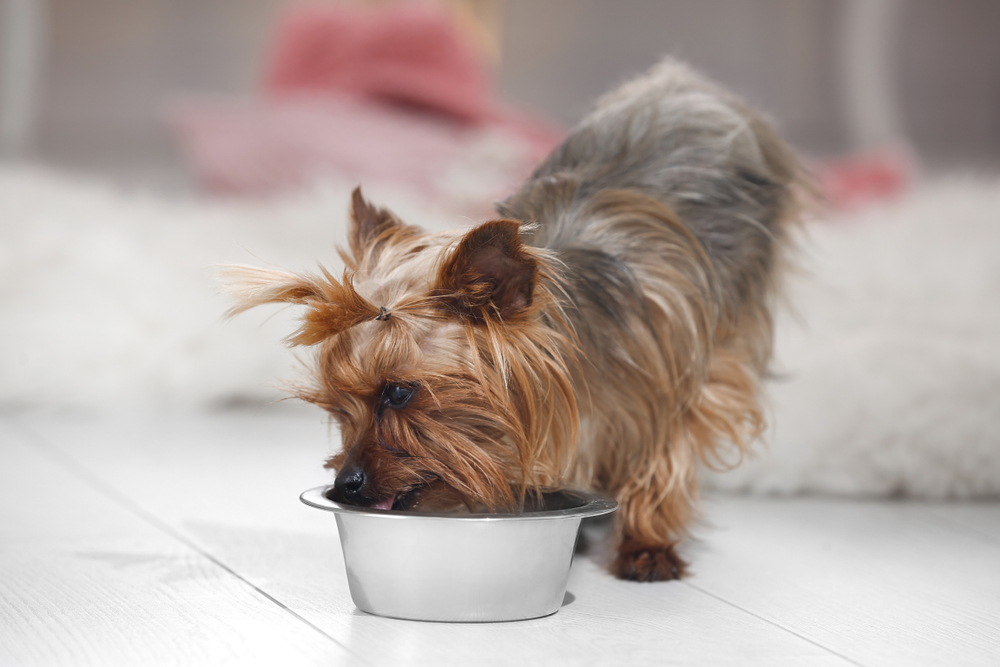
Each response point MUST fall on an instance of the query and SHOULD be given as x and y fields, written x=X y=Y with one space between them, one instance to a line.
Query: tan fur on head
x=332 y=306
x=494 y=411
x=609 y=332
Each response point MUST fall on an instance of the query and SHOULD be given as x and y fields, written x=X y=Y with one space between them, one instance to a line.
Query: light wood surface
x=85 y=580
x=181 y=540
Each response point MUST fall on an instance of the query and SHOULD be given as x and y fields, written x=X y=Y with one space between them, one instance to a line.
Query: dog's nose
x=350 y=479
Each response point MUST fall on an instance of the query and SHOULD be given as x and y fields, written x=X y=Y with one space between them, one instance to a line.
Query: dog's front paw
x=644 y=562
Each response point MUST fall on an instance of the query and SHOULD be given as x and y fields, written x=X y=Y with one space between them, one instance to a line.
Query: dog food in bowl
x=461 y=567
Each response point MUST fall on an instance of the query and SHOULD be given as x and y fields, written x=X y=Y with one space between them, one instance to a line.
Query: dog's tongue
x=385 y=504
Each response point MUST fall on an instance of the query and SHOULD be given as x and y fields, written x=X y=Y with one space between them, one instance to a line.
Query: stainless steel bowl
x=461 y=567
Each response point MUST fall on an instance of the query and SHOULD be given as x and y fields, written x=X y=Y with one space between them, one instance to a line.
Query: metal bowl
x=461 y=567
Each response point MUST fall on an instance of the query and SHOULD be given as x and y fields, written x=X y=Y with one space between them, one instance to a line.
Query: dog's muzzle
x=349 y=488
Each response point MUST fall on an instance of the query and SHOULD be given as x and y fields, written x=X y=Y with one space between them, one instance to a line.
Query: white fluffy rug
x=888 y=361
x=107 y=296
x=889 y=375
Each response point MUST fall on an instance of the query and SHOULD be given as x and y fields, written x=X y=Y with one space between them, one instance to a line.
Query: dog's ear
x=333 y=306
x=490 y=274
x=369 y=225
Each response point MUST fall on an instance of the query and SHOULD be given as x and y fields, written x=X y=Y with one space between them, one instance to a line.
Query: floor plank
x=605 y=622
x=83 y=580
x=881 y=583
x=793 y=581
x=241 y=477
x=982 y=517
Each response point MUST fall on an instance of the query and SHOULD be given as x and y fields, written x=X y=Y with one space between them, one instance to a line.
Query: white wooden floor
x=181 y=540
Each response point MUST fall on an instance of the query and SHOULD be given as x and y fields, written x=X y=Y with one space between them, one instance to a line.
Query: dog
x=609 y=330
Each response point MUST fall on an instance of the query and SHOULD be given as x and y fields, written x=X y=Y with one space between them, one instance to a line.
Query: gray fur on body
x=685 y=142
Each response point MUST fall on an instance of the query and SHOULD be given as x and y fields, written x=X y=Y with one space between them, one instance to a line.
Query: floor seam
x=108 y=490
x=772 y=623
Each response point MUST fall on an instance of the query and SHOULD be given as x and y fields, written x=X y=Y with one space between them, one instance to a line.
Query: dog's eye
x=397 y=395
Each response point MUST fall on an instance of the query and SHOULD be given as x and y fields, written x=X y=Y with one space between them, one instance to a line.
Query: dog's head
x=441 y=358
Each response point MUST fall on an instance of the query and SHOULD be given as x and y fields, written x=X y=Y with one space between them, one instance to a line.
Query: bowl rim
x=594 y=504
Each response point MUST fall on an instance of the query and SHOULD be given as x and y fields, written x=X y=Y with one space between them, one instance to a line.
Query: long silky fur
x=651 y=242
x=669 y=207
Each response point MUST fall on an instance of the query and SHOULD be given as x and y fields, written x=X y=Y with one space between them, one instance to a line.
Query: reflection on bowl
x=461 y=567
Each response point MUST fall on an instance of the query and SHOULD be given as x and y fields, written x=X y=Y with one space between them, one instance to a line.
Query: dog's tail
x=687 y=143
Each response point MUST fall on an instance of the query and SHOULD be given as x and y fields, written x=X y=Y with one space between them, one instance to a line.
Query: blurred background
x=89 y=85
x=142 y=141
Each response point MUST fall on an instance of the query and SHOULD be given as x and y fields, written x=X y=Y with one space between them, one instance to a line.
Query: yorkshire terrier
x=609 y=331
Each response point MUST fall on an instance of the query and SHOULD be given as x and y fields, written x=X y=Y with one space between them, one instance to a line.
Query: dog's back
x=680 y=140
